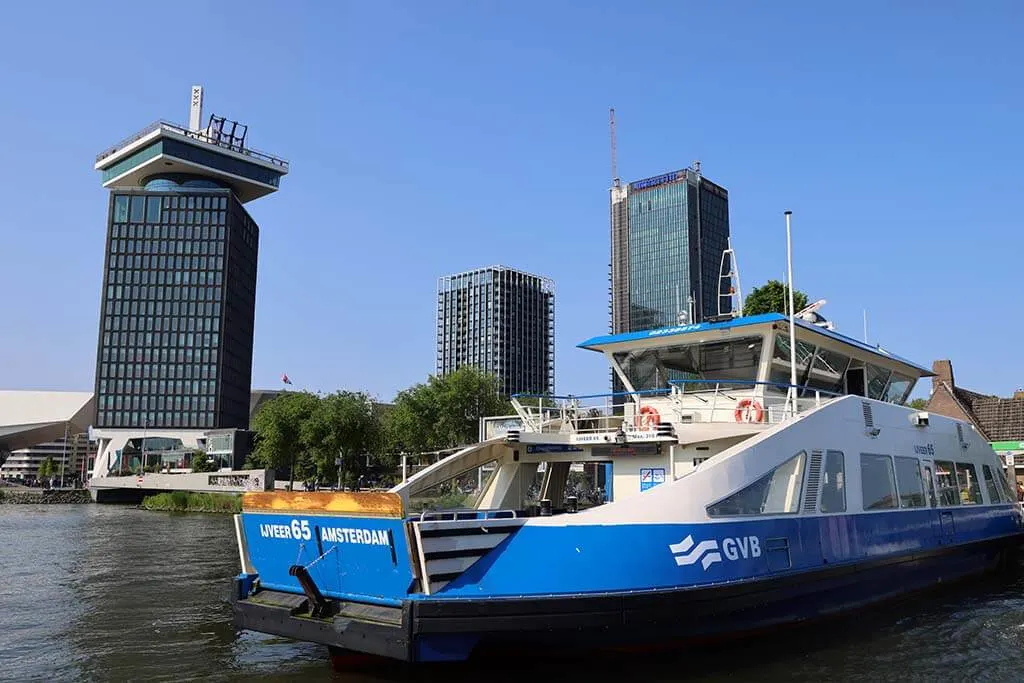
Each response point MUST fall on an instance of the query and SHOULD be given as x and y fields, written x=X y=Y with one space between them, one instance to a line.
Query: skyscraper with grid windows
x=502 y=321
x=179 y=286
x=668 y=234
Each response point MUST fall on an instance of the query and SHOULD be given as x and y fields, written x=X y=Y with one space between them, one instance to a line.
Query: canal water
x=105 y=593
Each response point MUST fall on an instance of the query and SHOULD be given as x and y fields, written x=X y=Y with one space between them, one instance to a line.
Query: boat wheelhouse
x=733 y=499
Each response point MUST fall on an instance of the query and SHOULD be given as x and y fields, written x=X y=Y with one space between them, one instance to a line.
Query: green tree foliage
x=46 y=468
x=772 y=297
x=278 y=427
x=202 y=463
x=444 y=412
x=343 y=424
x=919 y=403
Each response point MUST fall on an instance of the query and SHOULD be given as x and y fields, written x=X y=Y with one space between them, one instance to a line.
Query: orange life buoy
x=749 y=410
x=648 y=417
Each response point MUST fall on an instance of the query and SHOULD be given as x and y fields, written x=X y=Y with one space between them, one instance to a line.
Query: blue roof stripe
x=594 y=343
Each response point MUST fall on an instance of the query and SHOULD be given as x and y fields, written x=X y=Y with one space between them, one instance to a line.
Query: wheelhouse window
x=781 y=360
x=877 y=379
x=899 y=387
x=736 y=360
x=990 y=485
x=878 y=484
x=828 y=370
x=970 y=487
x=908 y=479
x=833 y=483
x=946 y=476
x=776 y=493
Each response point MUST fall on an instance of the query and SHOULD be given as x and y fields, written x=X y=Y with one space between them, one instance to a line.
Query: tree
x=46 y=468
x=919 y=403
x=772 y=297
x=444 y=412
x=343 y=424
x=201 y=462
x=278 y=427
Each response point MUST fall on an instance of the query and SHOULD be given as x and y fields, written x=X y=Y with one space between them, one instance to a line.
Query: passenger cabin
x=688 y=393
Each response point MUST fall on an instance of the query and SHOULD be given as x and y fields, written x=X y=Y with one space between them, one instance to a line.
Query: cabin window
x=929 y=485
x=990 y=485
x=776 y=493
x=735 y=360
x=833 y=483
x=908 y=479
x=970 y=487
x=898 y=388
x=877 y=379
x=946 y=475
x=780 y=370
x=878 y=484
x=827 y=371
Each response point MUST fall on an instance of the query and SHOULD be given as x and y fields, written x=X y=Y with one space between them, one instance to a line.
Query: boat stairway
x=448 y=543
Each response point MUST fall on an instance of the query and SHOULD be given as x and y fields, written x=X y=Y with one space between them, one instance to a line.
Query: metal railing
x=589 y=413
x=196 y=135
x=640 y=411
x=741 y=400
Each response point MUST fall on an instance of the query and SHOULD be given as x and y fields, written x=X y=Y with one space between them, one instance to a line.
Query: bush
x=185 y=501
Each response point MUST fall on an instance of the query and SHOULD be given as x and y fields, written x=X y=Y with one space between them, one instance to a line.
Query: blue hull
x=611 y=586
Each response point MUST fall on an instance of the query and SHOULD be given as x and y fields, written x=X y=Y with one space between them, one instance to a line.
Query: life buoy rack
x=749 y=410
x=648 y=417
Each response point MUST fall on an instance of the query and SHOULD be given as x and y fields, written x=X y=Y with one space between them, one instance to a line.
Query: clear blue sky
x=428 y=138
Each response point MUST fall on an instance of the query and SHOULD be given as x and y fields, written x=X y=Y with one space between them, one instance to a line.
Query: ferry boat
x=735 y=499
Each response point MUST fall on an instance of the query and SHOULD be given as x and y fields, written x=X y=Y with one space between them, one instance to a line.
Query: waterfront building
x=999 y=420
x=500 y=320
x=174 y=354
x=668 y=235
x=71 y=459
x=29 y=418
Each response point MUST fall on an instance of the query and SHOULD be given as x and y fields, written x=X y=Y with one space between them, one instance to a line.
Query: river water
x=106 y=593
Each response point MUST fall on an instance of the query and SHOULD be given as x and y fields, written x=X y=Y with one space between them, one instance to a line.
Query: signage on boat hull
x=686 y=552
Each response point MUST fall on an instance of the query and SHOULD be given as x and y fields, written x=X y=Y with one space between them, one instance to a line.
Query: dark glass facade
x=502 y=321
x=668 y=237
x=177 y=312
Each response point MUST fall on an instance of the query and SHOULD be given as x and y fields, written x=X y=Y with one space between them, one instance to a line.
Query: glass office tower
x=179 y=285
x=668 y=234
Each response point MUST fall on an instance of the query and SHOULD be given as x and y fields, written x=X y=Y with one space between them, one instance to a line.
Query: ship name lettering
x=745 y=547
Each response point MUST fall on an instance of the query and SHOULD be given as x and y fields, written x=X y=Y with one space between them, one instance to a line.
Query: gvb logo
x=708 y=552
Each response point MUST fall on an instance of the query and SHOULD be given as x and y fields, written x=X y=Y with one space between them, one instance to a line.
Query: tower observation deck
x=167 y=155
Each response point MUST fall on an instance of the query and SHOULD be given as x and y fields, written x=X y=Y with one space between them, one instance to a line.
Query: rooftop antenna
x=195 y=115
x=865 y=326
x=615 y=148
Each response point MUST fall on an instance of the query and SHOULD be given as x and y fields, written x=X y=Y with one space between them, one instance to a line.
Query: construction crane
x=615 y=151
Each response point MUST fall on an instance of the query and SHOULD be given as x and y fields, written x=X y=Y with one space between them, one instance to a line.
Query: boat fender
x=749 y=410
x=648 y=417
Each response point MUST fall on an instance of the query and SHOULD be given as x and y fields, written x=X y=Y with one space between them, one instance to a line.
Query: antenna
x=615 y=148
x=865 y=326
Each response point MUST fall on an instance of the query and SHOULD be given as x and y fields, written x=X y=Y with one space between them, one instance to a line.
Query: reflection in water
x=99 y=593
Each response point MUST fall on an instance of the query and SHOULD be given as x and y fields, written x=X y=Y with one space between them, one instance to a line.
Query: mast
x=791 y=394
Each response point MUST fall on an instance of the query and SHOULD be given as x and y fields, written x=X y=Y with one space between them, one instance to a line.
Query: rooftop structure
x=218 y=151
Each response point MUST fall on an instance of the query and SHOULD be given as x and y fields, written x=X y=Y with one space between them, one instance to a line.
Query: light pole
x=64 y=455
x=145 y=433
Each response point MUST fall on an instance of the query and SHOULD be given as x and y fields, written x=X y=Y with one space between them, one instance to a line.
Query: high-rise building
x=668 y=235
x=179 y=284
x=502 y=321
